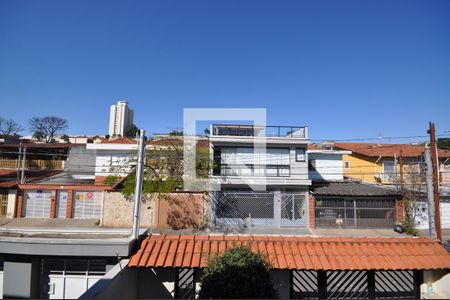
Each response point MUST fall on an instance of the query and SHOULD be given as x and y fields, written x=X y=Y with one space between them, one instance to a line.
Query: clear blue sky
x=348 y=69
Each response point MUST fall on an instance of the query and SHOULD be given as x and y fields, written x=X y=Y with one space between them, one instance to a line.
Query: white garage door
x=88 y=205
x=37 y=203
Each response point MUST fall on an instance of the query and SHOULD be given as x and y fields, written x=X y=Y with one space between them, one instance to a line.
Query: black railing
x=255 y=170
x=255 y=130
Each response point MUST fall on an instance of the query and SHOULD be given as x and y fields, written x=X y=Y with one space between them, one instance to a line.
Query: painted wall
x=113 y=162
x=12 y=197
x=326 y=166
x=421 y=218
x=370 y=169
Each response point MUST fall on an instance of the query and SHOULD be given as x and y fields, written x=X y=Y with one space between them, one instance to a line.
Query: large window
x=245 y=162
x=389 y=171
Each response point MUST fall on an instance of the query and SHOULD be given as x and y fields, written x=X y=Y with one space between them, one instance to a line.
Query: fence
x=359 y=284
x=355 y=212
x=38 y=164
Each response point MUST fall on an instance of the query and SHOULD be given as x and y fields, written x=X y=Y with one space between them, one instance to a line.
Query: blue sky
x=347 y=69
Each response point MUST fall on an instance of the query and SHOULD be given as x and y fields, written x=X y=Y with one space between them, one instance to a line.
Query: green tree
x=238 y=274
x=131 y=131
x=443 y=143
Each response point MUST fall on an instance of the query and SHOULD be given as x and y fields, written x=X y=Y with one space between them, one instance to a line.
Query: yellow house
x=380 y=163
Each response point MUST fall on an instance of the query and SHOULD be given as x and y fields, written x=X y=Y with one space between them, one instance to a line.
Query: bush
x=410 y=227
x=238 y=274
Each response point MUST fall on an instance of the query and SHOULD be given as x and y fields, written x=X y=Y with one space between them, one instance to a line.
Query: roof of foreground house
x=352 y=188
x=296 y=253
x=369 y=149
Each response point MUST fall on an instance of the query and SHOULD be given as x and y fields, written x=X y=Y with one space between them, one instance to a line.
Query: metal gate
x=269 y=209
x=37 y=203
x=185 y=284
x=357 y=284
x=292 y=209
x=62 y=204
x=355 y=212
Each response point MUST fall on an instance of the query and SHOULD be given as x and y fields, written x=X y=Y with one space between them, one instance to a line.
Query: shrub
x=238 y=274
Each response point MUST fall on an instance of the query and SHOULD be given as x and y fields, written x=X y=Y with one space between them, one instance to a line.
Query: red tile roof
x=369 y=149
x=294 y=253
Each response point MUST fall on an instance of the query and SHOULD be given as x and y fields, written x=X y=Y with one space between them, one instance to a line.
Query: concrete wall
x=440 y=283
x=118 y=211
x=421 y=218
x=26 y=273
x=173 y=210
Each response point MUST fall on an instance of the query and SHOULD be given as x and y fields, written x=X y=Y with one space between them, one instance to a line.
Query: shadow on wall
x=182 y=211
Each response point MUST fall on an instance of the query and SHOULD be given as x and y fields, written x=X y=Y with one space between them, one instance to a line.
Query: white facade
x=114 y=159
x=326 y=165
x=120 y=118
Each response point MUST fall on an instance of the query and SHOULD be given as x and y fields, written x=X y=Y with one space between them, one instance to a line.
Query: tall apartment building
x=120 y=118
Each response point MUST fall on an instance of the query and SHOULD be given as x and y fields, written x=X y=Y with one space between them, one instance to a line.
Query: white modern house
x=260 y=174
x=120 y=118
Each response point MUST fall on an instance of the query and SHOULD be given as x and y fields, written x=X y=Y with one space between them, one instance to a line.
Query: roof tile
x=297 y=253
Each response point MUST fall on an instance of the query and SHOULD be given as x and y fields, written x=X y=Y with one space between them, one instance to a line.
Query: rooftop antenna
x=379 y=139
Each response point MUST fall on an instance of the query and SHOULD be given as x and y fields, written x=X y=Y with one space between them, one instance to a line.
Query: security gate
x=292 y=209
x=37 y=203
x=269 y=209
x=3 y=203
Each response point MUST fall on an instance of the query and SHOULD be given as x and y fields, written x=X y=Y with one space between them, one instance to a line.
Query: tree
x=443 y=143
x=131 y=131
x=238 y=274
x=46 y=127
x=176 y=133
x=9 y=127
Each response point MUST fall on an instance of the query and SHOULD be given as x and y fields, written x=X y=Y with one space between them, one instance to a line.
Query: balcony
x=33 y=164
x=236 y=130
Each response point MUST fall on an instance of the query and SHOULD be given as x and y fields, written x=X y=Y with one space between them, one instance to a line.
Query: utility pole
x=434 y=159
x=401 y=166
x=18 y=162
x=24 y=154
x=429 y=174
x=138 y=189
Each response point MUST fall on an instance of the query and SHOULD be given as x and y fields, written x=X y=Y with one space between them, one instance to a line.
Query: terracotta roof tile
x=370 y=149
x=299 y=253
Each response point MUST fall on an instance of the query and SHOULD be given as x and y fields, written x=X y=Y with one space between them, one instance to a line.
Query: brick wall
x=69 y=210
x=53 y=205
x=312 y=211
x=19 y=209
x=400 y=210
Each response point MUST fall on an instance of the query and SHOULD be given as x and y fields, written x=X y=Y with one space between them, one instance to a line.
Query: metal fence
x=358 y=284
x=355 y=213
x=251 y=209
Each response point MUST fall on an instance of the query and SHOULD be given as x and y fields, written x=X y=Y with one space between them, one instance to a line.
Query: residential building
x=120 y=118
x=380 y=163
x=169 y=266
x=259 y=188
x=325 y=162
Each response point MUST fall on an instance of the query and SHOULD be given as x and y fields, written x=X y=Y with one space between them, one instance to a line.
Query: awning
x=296 y=253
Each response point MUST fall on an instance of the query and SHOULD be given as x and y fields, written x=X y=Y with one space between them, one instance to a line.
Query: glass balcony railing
x=261 y=131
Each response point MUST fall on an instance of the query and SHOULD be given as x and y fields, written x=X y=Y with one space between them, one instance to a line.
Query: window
x=346 y=164
x=300 y=154
x=389 y=171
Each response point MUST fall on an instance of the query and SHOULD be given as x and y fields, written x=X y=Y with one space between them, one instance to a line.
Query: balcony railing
x=262 y=131
x=36 y=164
x=255 y=170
